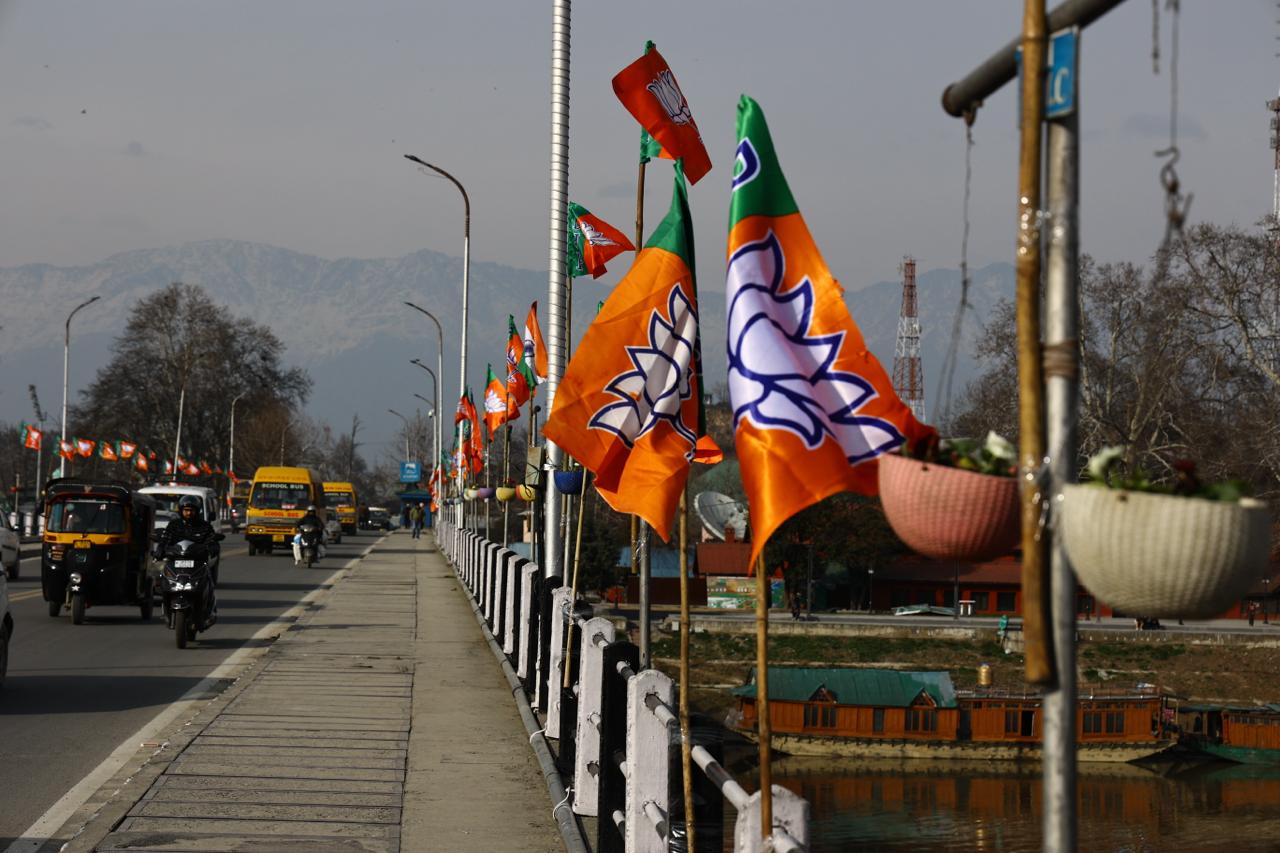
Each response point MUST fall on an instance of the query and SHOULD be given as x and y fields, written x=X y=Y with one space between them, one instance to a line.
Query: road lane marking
x=60 y=812
x=22 y=596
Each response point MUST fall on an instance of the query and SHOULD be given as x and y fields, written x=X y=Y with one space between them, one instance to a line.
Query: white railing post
x=527 y=604
x=790 y=815
x=595 y=635
x=648 y=760
x=561 y=612
x=511 y=608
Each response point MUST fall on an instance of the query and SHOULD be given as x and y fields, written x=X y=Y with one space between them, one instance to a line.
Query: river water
x=994 y=807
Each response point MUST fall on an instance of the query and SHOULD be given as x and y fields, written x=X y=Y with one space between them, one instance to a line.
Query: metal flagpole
x=557 y=343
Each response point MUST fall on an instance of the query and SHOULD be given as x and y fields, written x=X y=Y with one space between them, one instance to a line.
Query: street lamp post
x=436 y=376
x=466 y=269
x=231 y=452
x=431 y=414
x=66 y=360
x=406 y=432
x=435 y=384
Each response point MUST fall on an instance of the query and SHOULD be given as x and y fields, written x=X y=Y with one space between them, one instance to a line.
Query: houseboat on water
x=1247 y=734
x=886 y=713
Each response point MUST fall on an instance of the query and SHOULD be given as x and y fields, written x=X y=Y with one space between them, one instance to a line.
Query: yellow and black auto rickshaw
x=97 y=542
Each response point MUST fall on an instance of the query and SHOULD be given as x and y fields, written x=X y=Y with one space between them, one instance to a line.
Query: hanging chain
x=949 y=362
x=1176 y=205
x=1155 y=37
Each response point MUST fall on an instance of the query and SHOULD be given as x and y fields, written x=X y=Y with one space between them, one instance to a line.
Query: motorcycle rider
x=313 y=519
x=191 y=524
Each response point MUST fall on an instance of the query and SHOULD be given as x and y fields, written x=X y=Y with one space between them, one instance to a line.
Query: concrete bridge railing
x=618 y=735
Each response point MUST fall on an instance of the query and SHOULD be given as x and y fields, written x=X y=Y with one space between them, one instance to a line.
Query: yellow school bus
x=342 y=501
x=280 y=497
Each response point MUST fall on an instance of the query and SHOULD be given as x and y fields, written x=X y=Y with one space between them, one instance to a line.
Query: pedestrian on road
x=416 y=514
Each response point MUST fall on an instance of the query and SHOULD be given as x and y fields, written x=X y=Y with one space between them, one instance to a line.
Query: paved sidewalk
x=379 y=722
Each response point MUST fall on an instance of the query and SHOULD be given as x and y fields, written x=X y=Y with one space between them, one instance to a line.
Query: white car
x=8 y=548
x=6 y=627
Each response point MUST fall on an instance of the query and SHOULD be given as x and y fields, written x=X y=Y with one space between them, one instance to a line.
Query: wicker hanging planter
x=1160 y=555
x=949 y=513
x=568 y=482
x=505 y=493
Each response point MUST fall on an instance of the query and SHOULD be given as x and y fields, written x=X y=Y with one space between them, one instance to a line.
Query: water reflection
x=961 y=806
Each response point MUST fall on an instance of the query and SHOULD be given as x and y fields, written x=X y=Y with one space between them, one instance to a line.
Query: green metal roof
x=881 y=687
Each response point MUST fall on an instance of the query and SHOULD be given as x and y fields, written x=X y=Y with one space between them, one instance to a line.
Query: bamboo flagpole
x=573 y=587
x=1036 y=624
x=686 y=739
x=763 y=728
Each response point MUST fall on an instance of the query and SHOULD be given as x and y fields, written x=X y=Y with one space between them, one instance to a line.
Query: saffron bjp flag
x=629 y=405
x=520 y=381
x=107 y=451
x=85 y=446
x=31 y=437
x=496 y=410
x=126 y=449
x=475 y=447
x=535 y=351
x=649 y=91
x=592 y=242
x=812 y=408
x=140 y=462
x=66 y=449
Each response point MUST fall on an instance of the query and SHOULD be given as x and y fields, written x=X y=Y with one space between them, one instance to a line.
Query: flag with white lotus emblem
x=592 y=242
x=812 y=407
x=628 y=407
x=649 y=91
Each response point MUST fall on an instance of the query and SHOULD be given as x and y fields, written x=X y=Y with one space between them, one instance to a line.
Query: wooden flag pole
x=763 y=728
x=1036 y=624
x=506 y=477
x=686 y=740
x=573 y=587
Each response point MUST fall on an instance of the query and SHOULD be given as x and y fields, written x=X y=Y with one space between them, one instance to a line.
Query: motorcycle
x=187 y=585
x=311 y=540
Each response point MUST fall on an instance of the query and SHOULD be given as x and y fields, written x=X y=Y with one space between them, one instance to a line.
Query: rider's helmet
x=189 y=502
x=311 y=507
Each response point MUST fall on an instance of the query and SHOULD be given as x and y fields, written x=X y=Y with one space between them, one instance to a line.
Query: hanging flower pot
x=505 y=493
x=949 y=513
x=469 y=493
x=484 y=493
x=1161 y=555
x=569 y=482
x=525 y=493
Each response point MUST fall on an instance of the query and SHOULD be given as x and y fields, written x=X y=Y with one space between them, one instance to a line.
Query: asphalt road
x=76 y=692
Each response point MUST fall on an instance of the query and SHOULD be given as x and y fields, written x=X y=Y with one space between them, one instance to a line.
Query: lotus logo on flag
x=595 y=236
x=655 y=389
x=665 y=88
x=780 y=374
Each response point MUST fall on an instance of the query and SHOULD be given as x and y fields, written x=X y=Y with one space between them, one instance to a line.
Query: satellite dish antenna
x=717 y=511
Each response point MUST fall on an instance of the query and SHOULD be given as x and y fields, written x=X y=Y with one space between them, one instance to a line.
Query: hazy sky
x=129 y=124
x=143 y=123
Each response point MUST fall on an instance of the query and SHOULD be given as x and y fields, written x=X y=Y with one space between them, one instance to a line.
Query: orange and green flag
x=592 y=242
x=520 y=379
x=649 y=91
x=812 y=408
x=534 y=353
x=496 y=410
x=107 y=451
x=629 y=405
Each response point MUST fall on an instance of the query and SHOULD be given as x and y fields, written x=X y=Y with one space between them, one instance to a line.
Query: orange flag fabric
x=535 y=351
x=629 y=405
x=496 y=410
x=812 y=408
x=649 y=91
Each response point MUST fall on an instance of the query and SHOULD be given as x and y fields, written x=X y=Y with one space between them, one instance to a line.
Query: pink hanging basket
x=949 y=513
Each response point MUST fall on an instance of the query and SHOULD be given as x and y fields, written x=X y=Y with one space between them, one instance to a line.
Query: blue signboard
x=1060 y=76
x=410 y=472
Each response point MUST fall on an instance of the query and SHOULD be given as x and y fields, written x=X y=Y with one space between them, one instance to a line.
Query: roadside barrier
x=617 y=731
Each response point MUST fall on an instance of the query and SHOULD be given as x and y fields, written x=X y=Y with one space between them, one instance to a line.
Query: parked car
x=6 y=627
x=9 y=557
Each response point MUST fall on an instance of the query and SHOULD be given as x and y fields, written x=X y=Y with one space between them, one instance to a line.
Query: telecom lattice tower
x=908 y=376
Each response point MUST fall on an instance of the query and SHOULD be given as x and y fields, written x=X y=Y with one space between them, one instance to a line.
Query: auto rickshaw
x=96 y=547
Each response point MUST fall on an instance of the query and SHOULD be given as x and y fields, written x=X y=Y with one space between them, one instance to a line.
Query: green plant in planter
x=1106 y=468
x=994 y=455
